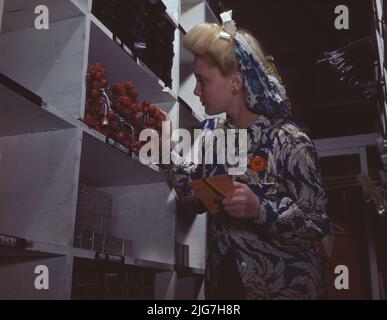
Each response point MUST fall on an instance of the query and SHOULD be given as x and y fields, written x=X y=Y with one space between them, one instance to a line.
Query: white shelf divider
x=1 y=13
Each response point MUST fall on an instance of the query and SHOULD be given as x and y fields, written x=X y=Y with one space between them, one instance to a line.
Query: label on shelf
x=119 y=42
x=109 y=258
x=13 y=85
x=111 y=142
x=14 y=242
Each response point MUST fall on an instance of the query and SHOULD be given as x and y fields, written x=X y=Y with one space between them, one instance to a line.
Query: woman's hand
x=242 y=203
x=167 y=118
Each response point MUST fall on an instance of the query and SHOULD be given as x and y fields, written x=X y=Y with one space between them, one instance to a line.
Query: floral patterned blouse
x=276 y=254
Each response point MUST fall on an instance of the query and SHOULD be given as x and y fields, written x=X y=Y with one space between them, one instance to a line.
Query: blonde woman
x=262 y=245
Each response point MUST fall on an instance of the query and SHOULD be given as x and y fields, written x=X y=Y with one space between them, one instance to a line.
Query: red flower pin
x=258 y=164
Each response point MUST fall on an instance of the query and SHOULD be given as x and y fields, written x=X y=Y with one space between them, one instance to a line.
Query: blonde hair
x=203 y=40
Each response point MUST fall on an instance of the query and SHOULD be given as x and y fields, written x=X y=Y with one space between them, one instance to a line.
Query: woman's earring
x=234 y=91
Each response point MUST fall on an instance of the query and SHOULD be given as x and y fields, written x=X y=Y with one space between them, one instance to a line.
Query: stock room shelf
x=194 y=12
x=37 y=191
x=106 y=50
x=187 y=83
x=22 y=112
x=189 y=271
x=103 y=165
x=129 y=261
x=47 y=153
x=172 y=11
x=50 y=63
x=20 y=14
x=38 y=249
x=197 y=114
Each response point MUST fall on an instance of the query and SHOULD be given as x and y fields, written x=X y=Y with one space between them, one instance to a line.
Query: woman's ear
x=236 y=81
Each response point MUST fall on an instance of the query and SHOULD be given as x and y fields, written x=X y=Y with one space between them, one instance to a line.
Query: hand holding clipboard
x=210 y=189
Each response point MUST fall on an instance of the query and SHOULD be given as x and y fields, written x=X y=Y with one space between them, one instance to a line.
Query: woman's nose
x=197 y=91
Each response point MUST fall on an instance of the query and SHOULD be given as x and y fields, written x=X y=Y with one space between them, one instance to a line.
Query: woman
x=262 y=246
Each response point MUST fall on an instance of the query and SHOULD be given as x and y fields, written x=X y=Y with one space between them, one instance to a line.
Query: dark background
x=297 y=33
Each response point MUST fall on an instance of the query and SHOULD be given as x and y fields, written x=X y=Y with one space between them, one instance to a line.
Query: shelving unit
x=51 y=62
x=104 y=50
x=21 y=111
x=46 y=151
x=192 y=13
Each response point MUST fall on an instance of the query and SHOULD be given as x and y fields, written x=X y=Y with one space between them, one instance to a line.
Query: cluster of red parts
x=115 y=112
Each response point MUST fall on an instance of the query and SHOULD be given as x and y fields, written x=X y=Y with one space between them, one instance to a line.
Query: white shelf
x=129 y=261
x=189 y=287
x=194 y=12
x=186 y=57
x=173 y=10
x=104 y=50
x=21 y=111
x=105 y=166
x=146 y=217
x=192 y=231
x=46 y=151
x=148 y=264
x=20 y=14
x=210 y=15
x=48 y=62
x=188 y=82
x=39 y=249
x=48 y=248
x=17 y=278
x=20 y=115
x=84 y=5
x=38 y=173
x=1 y=13
x=186 y=92
x=187 y=119
x=184 y=271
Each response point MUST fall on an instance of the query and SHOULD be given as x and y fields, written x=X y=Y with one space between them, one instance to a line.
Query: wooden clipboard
x=210 y=190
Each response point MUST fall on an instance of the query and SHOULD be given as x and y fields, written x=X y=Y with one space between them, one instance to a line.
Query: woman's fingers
x=235 y=203
x=165 y=114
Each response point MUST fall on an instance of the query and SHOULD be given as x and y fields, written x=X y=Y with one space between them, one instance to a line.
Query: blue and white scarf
x=264 y=93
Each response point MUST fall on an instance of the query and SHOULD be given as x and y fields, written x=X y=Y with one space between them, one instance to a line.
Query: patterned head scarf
x=264 y=93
